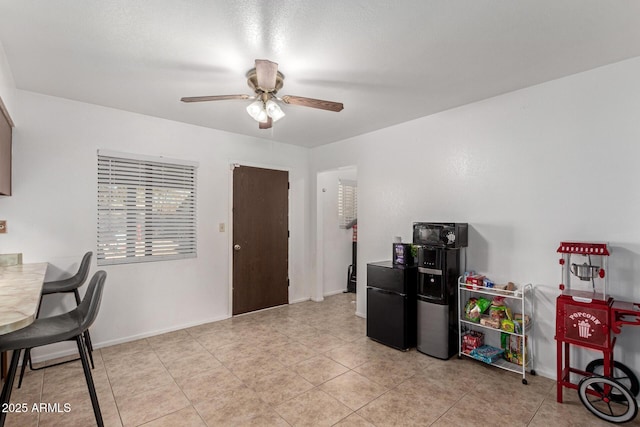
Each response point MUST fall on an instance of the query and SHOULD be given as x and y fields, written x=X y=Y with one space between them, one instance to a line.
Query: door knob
x=236 y=247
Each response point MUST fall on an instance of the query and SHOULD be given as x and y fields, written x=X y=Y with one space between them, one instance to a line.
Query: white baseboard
x=299 y=300
x=544 y=373
x=339 y=291
x=74 y=350
x=54 y=355
x=363 y=315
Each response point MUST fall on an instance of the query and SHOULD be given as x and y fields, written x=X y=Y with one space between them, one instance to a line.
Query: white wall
x=336 y=242
x=52 y=213
x=526 y=169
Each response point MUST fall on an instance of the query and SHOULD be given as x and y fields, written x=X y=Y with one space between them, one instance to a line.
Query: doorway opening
x=334 y=242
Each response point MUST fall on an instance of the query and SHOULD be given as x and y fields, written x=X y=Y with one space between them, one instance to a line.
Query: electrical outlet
x=3 y=226
x=221 y=227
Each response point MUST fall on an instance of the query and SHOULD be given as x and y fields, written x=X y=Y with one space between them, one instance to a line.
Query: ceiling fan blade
x=213 y=98
x=313 y=103
x=266 y=72
x=266 y=125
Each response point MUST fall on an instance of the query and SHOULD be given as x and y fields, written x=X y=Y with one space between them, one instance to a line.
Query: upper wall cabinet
x=5 y=150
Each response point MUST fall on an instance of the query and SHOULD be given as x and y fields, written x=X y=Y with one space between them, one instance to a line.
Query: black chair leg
x=26 y=358
x=89 y=346
x=8 y=385
x=87 y=337
x=89 y=378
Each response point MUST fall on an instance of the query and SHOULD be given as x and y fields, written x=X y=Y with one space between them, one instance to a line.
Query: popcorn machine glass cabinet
x=584 y=271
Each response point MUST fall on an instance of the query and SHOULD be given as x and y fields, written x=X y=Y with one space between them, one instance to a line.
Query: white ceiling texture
x=387 y=61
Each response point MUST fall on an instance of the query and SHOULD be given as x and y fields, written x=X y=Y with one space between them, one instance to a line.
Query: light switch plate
x=221 y=227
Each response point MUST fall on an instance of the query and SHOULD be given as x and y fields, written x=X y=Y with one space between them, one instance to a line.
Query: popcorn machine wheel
x=590 y=318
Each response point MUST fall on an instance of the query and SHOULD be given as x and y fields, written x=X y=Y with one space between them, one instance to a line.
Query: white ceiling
x=387 y=61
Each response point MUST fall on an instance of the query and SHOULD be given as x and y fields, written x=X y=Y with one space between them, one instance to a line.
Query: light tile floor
x=306 y=364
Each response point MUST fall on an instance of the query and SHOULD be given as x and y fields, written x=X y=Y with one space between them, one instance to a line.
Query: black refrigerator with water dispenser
x=441 y=259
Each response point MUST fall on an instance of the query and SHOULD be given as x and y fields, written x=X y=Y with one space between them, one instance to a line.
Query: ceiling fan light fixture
x=262 y=116
x=255 y=109
x=274 y=111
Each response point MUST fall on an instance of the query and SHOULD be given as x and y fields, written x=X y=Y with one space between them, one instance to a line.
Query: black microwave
x=441 y=234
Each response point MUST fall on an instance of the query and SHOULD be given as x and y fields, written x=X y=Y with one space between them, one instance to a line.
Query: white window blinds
x=146 y=209
x=347 y=202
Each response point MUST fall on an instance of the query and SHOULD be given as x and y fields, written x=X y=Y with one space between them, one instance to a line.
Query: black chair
x=69 y=285
x=63 y=327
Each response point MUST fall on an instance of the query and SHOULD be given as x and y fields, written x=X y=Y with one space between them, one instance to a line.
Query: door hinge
x=288 y=233
x=288 y=185
x=288 y=283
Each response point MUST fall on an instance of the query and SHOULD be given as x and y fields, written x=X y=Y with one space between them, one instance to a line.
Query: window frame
x=146 y=208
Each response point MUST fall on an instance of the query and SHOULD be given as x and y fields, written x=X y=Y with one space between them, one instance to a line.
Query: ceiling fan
x=265 y=80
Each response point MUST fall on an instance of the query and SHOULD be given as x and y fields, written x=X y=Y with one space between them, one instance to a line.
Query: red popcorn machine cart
x=587 y=316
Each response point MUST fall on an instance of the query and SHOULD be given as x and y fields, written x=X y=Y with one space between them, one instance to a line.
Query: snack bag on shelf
x=486 y=320
x=467 y=274
x=513 y=348
x=520 y=322
x=497 y=311
x=474 y=281
x=472 y=340
x=507 y=325
x=474 y=308
x=487 y=353
x=507 y=289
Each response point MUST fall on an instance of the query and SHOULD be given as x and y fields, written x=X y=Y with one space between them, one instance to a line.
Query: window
x=347 y=202
x=146 y=209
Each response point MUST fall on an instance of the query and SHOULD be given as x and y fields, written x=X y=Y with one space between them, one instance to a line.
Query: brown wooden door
x=260 y=238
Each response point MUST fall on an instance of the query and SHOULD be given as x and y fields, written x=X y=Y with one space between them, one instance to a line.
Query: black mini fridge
x=391 y=304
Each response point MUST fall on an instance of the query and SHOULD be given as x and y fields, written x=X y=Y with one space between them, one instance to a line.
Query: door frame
x=318 y=294
x=233 y=165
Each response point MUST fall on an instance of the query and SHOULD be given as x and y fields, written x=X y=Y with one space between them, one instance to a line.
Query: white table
x=20 y=289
